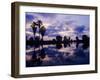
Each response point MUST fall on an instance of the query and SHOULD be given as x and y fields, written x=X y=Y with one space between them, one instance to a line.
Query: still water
x=55 y=55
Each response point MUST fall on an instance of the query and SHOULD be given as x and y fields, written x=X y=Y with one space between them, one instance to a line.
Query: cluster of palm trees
x=41 y=27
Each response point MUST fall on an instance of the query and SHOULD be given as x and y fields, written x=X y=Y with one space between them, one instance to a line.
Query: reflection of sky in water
x=53 y=56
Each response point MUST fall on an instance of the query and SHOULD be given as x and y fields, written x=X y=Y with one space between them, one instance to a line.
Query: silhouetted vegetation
x=58 y=41
x=42 y=31
x=34 y=28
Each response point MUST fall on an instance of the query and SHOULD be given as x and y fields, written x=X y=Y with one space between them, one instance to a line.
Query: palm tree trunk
x=39 y=32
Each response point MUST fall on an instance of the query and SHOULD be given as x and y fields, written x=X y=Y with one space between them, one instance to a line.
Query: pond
x=57 y=55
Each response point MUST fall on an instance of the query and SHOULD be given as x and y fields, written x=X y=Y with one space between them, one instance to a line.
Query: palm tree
x=34 y=28
x=39 y=24
x=42 y=31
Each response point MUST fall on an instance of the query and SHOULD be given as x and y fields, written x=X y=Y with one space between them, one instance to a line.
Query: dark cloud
x=29 y=18
x=80 y=29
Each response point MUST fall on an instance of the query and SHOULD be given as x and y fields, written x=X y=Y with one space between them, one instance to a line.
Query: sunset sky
x=59 y=24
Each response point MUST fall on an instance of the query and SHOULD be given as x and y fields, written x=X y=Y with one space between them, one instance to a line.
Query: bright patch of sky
x=70 y=25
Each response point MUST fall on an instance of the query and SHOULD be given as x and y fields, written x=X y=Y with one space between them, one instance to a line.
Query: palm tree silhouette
x=39 y=24
x=42 y=31
x=34 y=28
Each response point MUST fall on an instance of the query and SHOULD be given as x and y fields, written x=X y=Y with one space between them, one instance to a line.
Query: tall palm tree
x=42 y=31
x=34 y=28
x=39 y=24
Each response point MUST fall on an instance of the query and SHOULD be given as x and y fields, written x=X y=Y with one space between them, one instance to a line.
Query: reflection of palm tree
x=42 y=31
x=42 y=53
x=34 y=28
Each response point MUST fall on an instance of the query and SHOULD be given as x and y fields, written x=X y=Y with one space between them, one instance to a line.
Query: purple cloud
x=60 y=24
